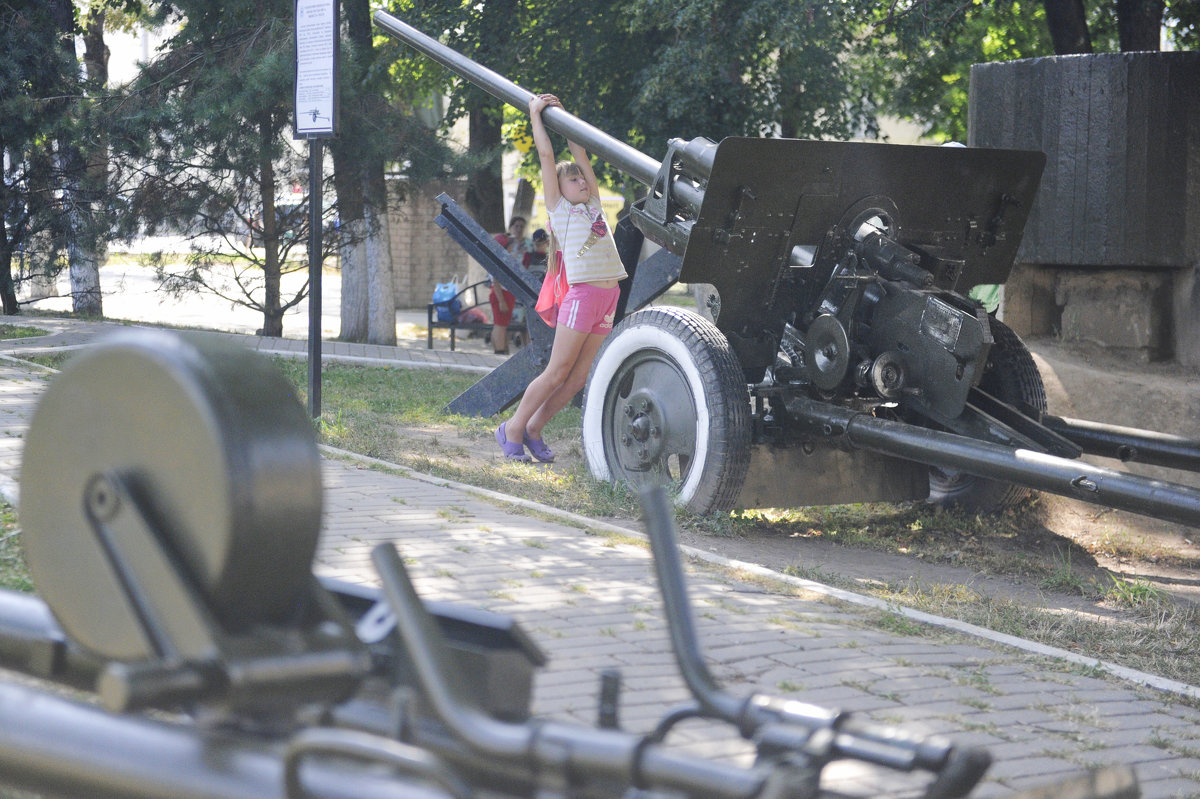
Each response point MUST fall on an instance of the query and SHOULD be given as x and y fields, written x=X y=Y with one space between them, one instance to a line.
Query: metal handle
x=847 y=738
x=369 y=749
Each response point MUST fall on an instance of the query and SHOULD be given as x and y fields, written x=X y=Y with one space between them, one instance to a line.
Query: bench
x=474 y=296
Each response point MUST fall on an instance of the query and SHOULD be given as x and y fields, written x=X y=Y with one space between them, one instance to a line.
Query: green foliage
x=594 y=59
x=386 y=114
x=204 y=136
x=201 y=139
x=1183 y=24
x=37 y=78
x=917 y=58
x=920 y=64
x=13 y=572
x=649 y=70
x=724 y=67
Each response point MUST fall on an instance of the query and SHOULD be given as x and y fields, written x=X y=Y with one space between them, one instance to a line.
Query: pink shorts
x=588 y=308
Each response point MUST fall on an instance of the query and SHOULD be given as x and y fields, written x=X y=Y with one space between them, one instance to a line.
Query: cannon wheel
x=667 y=402
x=1012 y=376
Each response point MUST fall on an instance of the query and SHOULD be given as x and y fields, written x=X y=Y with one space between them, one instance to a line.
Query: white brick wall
x=422 y=253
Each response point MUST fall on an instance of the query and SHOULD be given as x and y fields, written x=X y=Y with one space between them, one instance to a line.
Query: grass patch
x=1137 y=594
x=1161 y=640
x=396 y=414
x=1009 y=543
x=1124 y=547
x=13 y=572
x=679 y=296
x=1064 y=578
x=52 y=360
x=20 y=331
x=901 y=625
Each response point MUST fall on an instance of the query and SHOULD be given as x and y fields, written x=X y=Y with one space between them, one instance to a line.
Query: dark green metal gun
x=846 y=362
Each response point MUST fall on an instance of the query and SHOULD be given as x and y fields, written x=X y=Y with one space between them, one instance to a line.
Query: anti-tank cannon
x=172 y=550
x=846 y=362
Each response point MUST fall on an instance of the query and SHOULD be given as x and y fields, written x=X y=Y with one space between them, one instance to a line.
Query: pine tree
x=203 y=136
x=37 y=84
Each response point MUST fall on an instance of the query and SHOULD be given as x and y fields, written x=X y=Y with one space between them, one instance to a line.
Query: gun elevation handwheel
x=221 y=461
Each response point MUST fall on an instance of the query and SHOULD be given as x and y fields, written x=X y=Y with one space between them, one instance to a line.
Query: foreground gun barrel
x=32 y=642
x=604 y=752
x=632 y=162
x=958 y=770
x=53 y=745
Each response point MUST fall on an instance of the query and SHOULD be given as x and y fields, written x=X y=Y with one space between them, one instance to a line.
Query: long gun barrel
x=632 y=162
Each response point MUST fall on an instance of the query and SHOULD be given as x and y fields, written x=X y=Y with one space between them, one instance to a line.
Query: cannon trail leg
x=1068 y=478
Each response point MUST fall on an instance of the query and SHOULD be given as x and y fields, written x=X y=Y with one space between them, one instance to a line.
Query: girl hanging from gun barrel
x=583 y=249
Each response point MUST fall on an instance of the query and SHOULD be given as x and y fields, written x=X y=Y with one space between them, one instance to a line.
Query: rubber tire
x=683 y=367
x=1012 y=376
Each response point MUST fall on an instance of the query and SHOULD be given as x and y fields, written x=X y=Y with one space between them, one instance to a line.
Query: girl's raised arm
x=545 y=150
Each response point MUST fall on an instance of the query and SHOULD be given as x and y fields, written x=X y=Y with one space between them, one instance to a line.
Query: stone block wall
x=1121 y=134
x=1144 y=315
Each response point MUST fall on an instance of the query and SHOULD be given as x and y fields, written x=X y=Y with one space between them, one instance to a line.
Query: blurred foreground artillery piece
x=171 y=501
x=846 y=362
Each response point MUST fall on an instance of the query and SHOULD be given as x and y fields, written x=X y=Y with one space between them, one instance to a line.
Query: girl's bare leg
x=564 y=353
x=567 y=391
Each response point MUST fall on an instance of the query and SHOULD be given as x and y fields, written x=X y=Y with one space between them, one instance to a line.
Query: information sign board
x=316 y=68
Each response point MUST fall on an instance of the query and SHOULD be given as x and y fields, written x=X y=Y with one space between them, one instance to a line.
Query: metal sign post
x=316 y=116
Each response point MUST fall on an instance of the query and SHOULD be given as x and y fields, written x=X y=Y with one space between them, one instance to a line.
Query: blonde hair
x=564 y=168
x=561 y=170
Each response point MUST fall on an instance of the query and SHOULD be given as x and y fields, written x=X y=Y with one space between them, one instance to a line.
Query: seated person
x=500 y=298
x=541 y=251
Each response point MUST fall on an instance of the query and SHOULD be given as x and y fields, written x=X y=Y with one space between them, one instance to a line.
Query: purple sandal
x=539 y=449
x=511 y=450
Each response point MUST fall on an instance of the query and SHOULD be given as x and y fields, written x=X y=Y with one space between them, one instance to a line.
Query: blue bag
x=444 y=297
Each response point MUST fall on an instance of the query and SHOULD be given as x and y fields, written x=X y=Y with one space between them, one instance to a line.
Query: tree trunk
x=92 y=247
x=485 y=188
x=41 y=271
x=77 y=200
x=368 y=305
x=381 y=289
x=1139 y=24
x=8 y=294
x=705 y=295
x=272 y=312
x=84 y=269
x=1067 y=22
x=352 y=256
x=523 y=201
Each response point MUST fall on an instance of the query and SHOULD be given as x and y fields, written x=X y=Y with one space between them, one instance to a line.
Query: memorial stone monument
x=1111 y=251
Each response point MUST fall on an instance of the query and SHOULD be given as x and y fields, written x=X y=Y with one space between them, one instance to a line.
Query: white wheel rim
x=628 y=341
